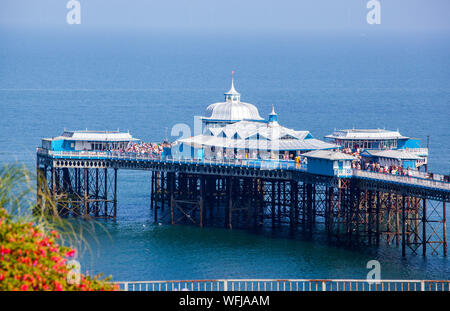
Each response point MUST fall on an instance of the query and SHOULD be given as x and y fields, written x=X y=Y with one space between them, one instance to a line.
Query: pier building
x=372 y=139
x=329 y=163
x=230 y=111
x=89 y=141
x=398 y=158
x=406 y=151
x=316 y=191
x=235 y=130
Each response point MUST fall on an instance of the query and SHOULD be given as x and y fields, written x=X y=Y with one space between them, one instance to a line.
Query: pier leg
x=279 y=204
x=96 y=193
x=115 y=194
x=358 y=215
x=389 y=218
x=416 y=220
x=309 y=202
x=292 y=206
x=249 y=202
x=78 y=183
x=86 y=192
x=285 y=205
x=153 y=198
x=220 y=194
x=157 y=188
x=162 y=189
x=378 y=219
x=296 y=207
x=106 y=193
x=370 y=216
x=329 y=211
x=273 y=207
x=303 y=207
x=230 y=202
x=397 y=219
x=152 y=192
x=444 y=228
x=39 y=182
x=54 y=187
x=314 y=204
x=172 y=201
x=350 y=208
x=260 y=202
x=408 y=225
x=202 y=199
x=253 y=202
x=75 y=182
x=403 y=225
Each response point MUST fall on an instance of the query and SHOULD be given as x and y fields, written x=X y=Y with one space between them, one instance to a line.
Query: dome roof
x=232 y=109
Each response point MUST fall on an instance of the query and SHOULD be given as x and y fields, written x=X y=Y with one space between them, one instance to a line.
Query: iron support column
x=444 y=228
x=115 y=193
x=424 y=227
x=403 y=225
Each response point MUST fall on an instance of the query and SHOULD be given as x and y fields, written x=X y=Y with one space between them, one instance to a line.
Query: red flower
x=31 y=260
x=58 y=286
x=4 y=250
x=71 y=253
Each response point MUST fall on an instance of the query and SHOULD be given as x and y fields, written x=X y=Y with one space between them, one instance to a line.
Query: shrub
x=30 y=259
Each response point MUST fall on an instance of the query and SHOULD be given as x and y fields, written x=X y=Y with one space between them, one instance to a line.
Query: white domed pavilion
x=230 y=111
x=234 y=129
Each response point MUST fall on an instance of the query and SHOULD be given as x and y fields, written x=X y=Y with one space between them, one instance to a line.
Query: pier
x=363 y=186
x=364 y=208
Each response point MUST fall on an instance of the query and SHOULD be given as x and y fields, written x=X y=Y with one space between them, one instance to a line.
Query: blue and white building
x=230 y=111
x=235 y=130
x=89 y=141
x=328 y=163
x=374 y=144
x=398 y=158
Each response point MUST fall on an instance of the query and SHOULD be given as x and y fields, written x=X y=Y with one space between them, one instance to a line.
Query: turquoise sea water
x=146 y=83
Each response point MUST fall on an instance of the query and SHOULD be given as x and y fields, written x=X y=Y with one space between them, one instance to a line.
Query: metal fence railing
x=114 y=155
x=287 y=285
x=402 y=179
x=262 y=164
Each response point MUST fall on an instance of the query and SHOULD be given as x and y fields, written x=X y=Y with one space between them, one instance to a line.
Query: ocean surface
x=147 y=83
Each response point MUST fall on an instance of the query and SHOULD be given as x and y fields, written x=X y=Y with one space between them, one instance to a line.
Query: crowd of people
x=356 y=153
x=392 y=169
x=151 y=149
x=375 y=167
x=156 y=149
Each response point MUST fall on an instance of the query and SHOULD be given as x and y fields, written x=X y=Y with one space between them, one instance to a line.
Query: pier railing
x=287 y=285
x=255 y=163
x=252 y=163
x=431 y=183
x=418 y=151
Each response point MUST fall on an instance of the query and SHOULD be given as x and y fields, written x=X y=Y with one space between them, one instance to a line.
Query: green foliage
x=31 y=260
x=30 y=256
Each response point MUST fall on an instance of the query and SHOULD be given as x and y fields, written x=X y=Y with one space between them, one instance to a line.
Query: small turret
x=232 y=95
x=273 y=118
